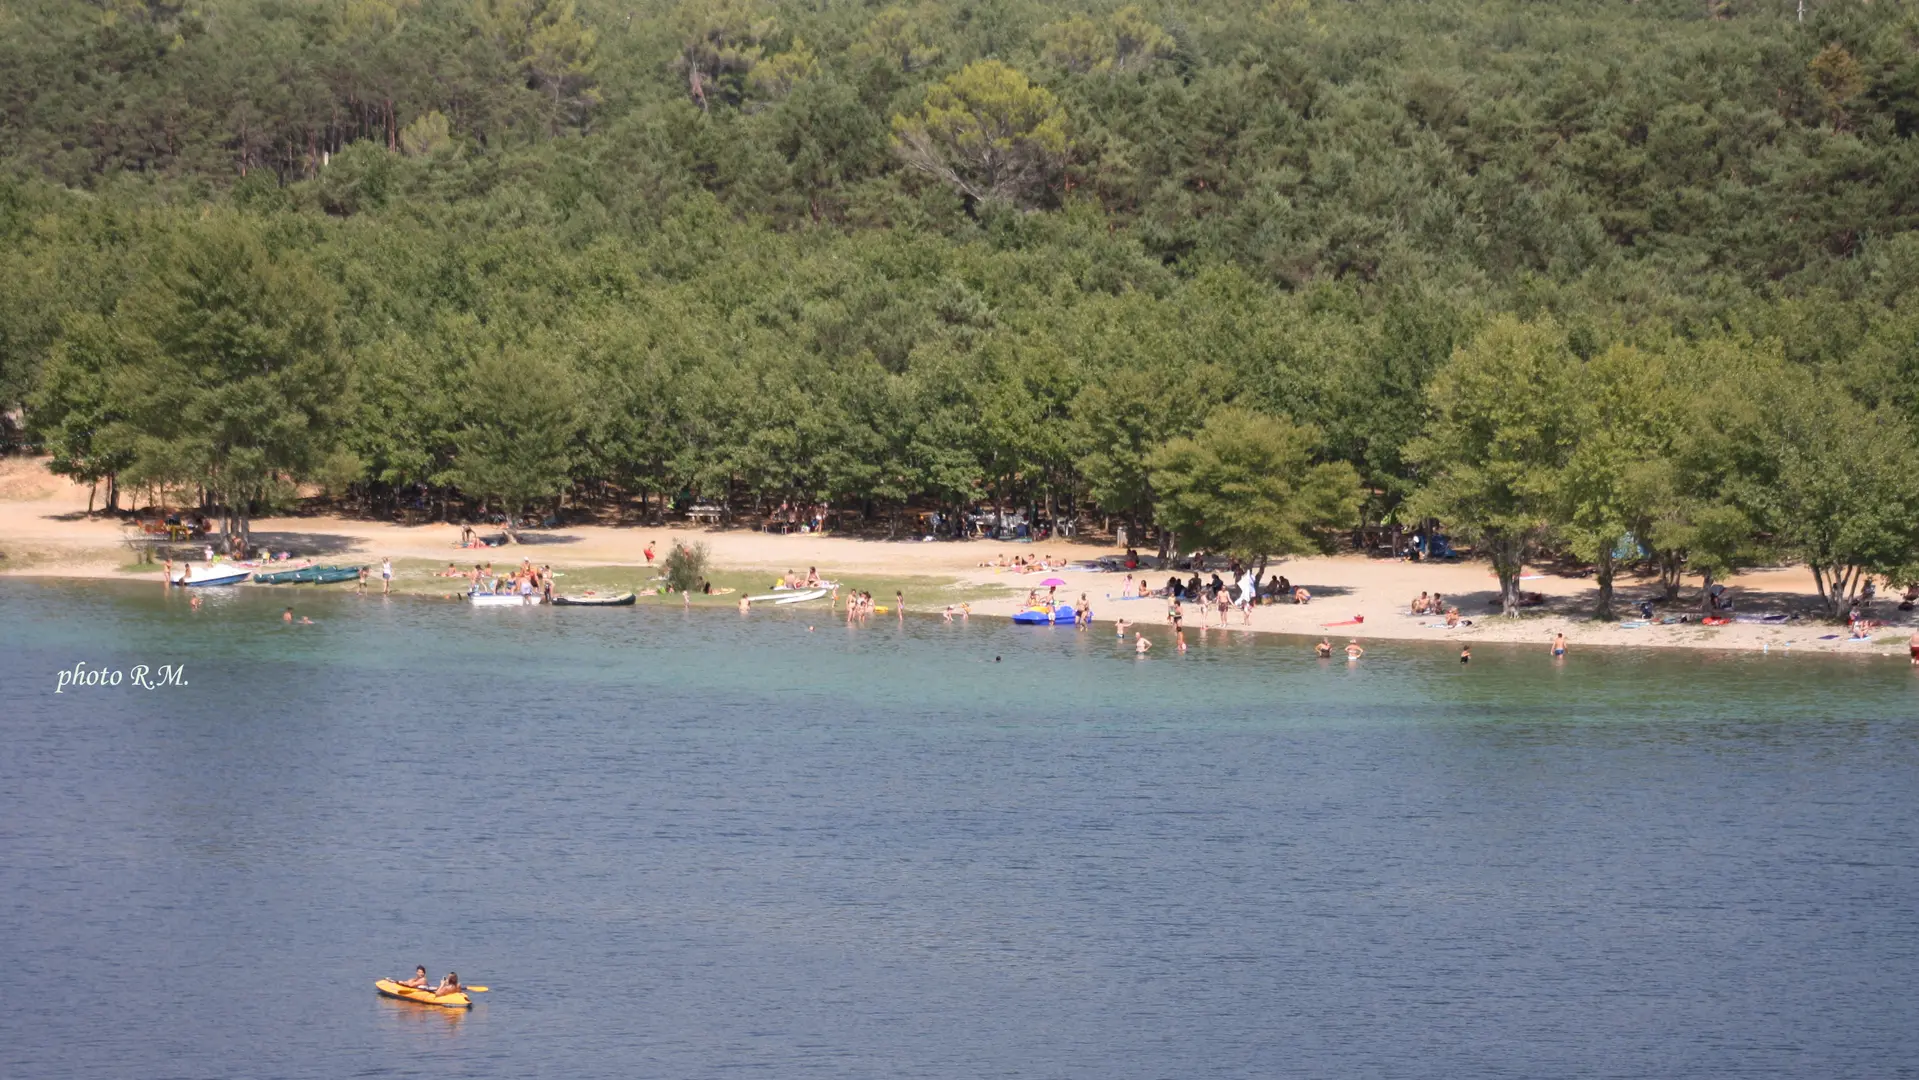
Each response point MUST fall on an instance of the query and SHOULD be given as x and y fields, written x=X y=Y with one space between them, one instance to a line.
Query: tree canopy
x=1568 y=275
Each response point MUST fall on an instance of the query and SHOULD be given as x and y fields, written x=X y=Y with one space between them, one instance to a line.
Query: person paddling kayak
x=419 y=979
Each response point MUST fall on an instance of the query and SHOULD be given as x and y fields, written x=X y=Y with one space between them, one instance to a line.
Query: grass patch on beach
x=418 y=577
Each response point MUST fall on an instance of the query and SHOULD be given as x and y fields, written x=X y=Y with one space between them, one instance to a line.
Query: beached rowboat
x=502 y=599
x=622 y=600
x=392 y=989
x=800 y=598
x=231 y=577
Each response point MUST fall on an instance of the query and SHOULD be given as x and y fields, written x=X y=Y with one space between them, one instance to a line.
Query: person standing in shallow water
x=1465 y=654
x=1559 y=644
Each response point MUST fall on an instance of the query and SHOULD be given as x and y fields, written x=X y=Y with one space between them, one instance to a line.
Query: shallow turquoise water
x=683 y=844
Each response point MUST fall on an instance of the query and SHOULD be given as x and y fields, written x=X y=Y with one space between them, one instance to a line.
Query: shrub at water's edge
x=685 y=566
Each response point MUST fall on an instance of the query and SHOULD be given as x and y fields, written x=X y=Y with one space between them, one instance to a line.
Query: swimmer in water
x=1465 y=654
x=1140 y=644
x=287 y=615
x=1323 y=650
x=1119 y=627
x=1353 y=651
x=1559 y=644
x=745 y=605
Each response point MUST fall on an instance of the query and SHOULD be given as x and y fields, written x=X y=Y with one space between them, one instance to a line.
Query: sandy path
x=43 y=525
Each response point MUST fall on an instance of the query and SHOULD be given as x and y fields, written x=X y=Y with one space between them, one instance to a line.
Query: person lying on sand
x=1301 y=596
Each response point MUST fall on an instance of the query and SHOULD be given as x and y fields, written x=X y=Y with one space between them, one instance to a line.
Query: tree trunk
x=92 y=490
x=1705 y=593
x=1603 y=573
x=1834 y=584
x=1508 y=555
x=1671 y=565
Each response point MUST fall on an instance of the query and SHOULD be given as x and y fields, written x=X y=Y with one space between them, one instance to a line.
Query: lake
x=691 y=844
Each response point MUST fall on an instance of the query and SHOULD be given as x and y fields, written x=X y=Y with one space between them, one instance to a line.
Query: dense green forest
x=1628 y=279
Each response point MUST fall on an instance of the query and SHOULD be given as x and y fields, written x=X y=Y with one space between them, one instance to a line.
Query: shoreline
x=1534 y=631
x=43 y=518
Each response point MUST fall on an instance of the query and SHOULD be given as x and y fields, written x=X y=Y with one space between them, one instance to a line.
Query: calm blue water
x=688 y=845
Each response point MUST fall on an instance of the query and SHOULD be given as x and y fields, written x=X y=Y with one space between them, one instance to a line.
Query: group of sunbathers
x=1021 y=565
x=527 y=581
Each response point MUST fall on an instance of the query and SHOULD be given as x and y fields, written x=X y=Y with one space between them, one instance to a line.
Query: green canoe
x=310 y=575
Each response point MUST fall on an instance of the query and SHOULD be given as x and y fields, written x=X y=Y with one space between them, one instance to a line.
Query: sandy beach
x=46 y=531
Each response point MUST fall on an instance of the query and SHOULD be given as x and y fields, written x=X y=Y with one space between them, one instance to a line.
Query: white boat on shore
x=801 y=597
x=222 y=577
x=484 y=599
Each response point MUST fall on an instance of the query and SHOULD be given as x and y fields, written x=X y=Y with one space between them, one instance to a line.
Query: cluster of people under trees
x=1242 y=589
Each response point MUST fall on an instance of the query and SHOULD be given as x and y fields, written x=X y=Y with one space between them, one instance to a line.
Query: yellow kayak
x=425 y=997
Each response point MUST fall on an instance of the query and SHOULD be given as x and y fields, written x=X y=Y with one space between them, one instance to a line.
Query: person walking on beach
x=649 y=551
x=386 y=575
x=1559 y=644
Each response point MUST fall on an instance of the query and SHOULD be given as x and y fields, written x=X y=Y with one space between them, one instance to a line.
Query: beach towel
x=1772 y=617
x=1354 y=621
x=1633 y=624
